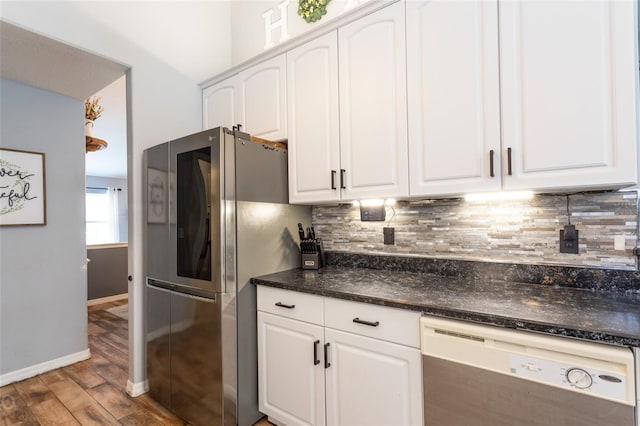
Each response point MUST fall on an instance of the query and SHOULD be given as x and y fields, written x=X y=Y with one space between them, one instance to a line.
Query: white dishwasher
x=476 y=375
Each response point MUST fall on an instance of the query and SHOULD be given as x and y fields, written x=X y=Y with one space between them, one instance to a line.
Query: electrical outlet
x=569 y=237
x=618 y=242
x=389 y=236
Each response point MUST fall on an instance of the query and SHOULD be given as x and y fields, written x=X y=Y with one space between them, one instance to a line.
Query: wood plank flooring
x=90 y=392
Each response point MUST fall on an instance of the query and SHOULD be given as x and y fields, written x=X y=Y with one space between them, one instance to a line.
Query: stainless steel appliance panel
x=196 y=384
x=249 y=235
x=158 y=341
x=490 y=376
x=195 y=191
x=265 y=244
x=461 y=395
x=254 y=181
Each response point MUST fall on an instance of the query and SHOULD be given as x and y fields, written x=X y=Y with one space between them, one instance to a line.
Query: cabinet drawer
x=291 y=304
x=380 y=322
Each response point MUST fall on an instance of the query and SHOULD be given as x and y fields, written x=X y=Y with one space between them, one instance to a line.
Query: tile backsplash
x=518 y=231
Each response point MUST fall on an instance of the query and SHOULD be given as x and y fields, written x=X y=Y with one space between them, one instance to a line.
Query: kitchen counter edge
x=493 y=319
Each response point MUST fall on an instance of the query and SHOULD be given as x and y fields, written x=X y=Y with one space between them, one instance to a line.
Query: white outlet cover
x=618 y=242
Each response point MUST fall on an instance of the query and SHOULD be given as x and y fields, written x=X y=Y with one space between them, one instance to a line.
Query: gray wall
x=41 y=267
x=123 y=209
x=107 y=271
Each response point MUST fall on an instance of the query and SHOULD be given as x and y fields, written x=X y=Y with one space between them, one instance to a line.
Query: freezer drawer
x=158 y=339
x=184 y=366
x=196 y=368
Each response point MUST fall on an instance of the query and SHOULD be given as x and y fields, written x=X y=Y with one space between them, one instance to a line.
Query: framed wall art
x=22 y=188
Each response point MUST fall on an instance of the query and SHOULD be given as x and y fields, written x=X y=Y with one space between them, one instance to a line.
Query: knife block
x=310 y=261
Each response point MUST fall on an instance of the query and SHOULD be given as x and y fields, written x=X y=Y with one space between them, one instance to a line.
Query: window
x=102 y=216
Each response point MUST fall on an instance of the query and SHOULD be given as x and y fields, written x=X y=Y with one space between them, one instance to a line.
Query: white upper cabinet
x=373 y=111
x=218 y=108
x=314 y=140
x=468 y=96
x=453 y=94
x=262 y=99
x=568 y=84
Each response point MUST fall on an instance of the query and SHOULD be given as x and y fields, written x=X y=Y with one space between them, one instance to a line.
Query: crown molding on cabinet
x=357 y=13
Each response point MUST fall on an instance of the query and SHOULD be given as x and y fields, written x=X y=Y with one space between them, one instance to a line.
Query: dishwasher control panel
x=602 y=383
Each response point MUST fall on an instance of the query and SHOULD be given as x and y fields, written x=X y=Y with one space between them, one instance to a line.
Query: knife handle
x=333 y=179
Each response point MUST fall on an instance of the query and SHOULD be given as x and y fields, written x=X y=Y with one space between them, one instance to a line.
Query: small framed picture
x=22 y=188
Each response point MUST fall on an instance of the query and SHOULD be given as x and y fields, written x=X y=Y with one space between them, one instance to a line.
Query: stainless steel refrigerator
x=217 y=213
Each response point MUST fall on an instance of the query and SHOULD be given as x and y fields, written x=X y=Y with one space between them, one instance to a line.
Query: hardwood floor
x=90 y=392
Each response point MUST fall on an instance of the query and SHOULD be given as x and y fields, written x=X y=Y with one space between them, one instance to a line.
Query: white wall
x=248 y=25
x=111 y=126
x=43 y=286
x=162 y=104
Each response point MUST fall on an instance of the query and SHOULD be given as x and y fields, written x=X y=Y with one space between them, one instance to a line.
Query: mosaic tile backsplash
x=518 y=231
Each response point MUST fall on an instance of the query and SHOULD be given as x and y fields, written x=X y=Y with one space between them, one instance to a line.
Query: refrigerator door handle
x=160 y=285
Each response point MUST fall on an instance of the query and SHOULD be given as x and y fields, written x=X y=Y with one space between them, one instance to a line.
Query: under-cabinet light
x=378 y=202
x=491 y=196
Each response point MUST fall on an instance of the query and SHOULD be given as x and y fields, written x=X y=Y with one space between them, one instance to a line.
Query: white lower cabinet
x=291 y=385
x=372 y=382
x=335 y=362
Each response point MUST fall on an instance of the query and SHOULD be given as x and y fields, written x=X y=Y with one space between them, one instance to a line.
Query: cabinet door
x=290 y=384
x=453 y=97
x=568 y=84
x=218 y=104
x=262 y=100
x=373 y=119
x=312 y=105
x=372 y=382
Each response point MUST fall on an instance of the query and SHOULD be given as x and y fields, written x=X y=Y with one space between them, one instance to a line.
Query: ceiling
x=190 y=36
x=41 y=62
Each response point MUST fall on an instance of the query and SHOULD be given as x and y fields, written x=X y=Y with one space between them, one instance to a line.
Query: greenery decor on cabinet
x=312 y=10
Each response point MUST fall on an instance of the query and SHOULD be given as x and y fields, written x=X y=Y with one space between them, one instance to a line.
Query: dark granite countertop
x=607 y=317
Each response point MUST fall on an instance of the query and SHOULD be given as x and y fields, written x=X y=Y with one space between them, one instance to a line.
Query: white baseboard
x=137 y=389
x=107 y=299
x=34 y=370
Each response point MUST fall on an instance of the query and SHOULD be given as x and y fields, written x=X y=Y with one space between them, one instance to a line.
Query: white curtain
x=102 y=216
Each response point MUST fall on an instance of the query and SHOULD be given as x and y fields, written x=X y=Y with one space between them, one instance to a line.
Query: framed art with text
x=22 y=188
